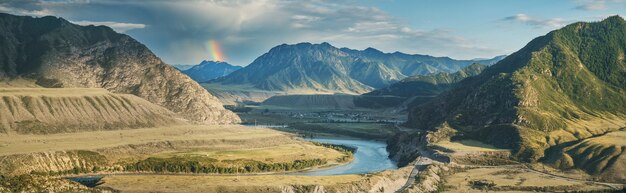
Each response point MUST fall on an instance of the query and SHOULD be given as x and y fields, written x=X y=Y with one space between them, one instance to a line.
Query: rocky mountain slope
x=57 y=53
x=566 y=86
x=209 y=70
x=322 y=68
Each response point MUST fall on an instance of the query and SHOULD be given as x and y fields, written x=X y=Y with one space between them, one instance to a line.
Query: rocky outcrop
x=57 y=53
x=302 y=189
x=429 y=180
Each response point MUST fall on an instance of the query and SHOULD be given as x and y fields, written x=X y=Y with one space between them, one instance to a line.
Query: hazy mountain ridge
x=183 y=67
x=428 y=85
x=209 y=70
x=57 y=53
x=565 y=86
x=324 y=68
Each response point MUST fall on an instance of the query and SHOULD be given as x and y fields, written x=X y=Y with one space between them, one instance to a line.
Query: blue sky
x=178 y=31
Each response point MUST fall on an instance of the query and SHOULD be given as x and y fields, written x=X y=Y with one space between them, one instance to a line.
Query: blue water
x=370 y=156
x=89 y=181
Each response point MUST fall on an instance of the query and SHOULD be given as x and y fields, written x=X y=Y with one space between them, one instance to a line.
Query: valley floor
x=477 y=167
x=217 y=146
x=185 y=157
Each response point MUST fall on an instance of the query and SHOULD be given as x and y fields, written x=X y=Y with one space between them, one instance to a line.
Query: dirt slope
x=43 y=110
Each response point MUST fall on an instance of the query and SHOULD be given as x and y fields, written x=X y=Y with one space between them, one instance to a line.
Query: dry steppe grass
x=261 y=183
x=15 y=144
x=280 y=153
x=467 y=146
x=60 y=110
x=603 y=156
x=224 y=143
x=511 y=180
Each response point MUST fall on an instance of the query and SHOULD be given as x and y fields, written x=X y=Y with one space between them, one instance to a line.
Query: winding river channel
x=370 y=156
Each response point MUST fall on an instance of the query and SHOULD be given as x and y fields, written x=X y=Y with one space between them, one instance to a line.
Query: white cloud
x=18 y=11
x=117 y=26
x=592 y=5
x=248 y=28
x=597 y=5
x=540 y=23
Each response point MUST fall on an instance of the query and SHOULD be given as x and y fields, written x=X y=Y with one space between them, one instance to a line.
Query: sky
x=238 y=31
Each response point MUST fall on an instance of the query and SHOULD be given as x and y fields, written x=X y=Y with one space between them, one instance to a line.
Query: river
x=370 y=156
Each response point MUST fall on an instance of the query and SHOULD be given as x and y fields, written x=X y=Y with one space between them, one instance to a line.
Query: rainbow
x=216 y=52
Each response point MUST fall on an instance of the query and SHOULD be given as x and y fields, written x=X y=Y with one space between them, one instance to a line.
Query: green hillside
x=565 y=86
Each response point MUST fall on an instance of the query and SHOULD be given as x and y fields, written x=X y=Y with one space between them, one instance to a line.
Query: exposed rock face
x=431 y=179
x=44 y=162
x=57 y=53
x=565 y=86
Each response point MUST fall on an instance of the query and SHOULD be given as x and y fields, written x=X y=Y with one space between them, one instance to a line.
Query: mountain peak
x=303 y=45
x=98 y=57
x=614 y=19
x=212 y=62
x=209 y=70
x=372 y=50
x=326 y=44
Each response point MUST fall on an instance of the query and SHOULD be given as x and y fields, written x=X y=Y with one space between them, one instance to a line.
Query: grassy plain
x=14 y=144
x=256 y=183
x=467 y=145
x=223 y=143
x=361 y=130
x=512 y=180
x=274 y=154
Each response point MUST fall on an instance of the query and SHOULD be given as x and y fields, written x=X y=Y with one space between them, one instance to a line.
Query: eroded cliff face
x=46 y=111
x=34 y=183
x=60 y=54
x=431 y=179
x=47 y=162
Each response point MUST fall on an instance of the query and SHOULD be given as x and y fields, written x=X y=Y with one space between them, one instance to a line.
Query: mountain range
x=550 y=101
x=323 y=68
x=53 y=52
x=209 y=70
